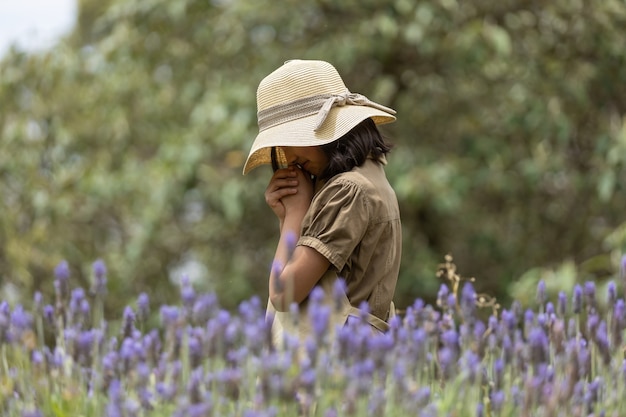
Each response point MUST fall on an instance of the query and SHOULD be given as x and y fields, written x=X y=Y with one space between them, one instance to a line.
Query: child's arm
x=294 y=274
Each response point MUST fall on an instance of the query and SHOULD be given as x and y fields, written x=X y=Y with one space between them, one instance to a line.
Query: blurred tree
x=126 y=140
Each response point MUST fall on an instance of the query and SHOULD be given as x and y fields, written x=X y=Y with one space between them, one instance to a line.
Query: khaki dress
x=353 y=221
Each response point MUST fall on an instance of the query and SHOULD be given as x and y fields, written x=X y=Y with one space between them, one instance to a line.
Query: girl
x=329 y=192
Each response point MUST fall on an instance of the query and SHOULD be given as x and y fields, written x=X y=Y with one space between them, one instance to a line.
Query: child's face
x=311 y=158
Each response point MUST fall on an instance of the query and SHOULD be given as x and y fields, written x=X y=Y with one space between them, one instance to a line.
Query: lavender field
x=464 y=356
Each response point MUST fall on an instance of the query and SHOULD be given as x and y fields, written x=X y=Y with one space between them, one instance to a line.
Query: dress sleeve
x=336 y=221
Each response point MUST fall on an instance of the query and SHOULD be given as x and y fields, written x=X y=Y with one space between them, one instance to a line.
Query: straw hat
x=306 y=103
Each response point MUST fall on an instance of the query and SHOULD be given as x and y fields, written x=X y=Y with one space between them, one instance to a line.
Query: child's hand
x=297 y=204
x=289 y=187
x=284 y=182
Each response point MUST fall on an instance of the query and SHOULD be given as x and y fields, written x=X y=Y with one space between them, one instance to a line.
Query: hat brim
x=300 y=132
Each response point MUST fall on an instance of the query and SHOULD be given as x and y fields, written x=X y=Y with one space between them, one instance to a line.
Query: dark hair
x=352 y=149
x=349 y=151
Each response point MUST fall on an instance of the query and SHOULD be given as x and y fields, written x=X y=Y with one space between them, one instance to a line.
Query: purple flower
x=479 y=330
x=470 y=362
x=37 y=301
x=61 y=282
x=78 y=295
x=20 y=319
x=529 y=316
x=199 y=409
x=422 y=397
x=577 y=299
x=611 y=294
x=593 y=320
x=114 y=406
x=618 y=324
x=498 y=373
x=331 y=412
x=602 y=341
x=468 y=301
x=169 y=315
x=291 y=239
x=497 y=401
x=32 y=413
x=442 y=295
x=143 y=307
x=509 y=319
x=100 y=277
x=62 y=271
x=206 y=307
x=538 y=344
x=187 y=293
x=541 y=293
x=128 y=322
x=319 y=315
x=447 y=358
x=339 y=292
x=450 y=339
x=480 y=410
x=277 y=269
x=591 y=395
x=84 y=343
x=451 y=301
x=250 y=309
x=590 y=294
x=48 y=314
x=542 y=320
x=562 y=304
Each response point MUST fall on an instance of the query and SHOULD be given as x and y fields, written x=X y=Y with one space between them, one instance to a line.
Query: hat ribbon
x=321 y=104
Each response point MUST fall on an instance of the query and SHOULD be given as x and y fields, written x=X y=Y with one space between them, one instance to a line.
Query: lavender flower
x=277 y=269
x=590 y=294
x=37 y=301
x=291 y=240
x=529 y=317
x=577 y=299
x=100 y=277
x=339 y=292
x=48 y=314
x=538 y=344
x=611 y=294
x=32 y=413
x=468 y=302
x=21 y=320
x=169 y=315
x=601 y=339
x=143 y=307
x=497 y=401
x=541 y=293
x=562 y=304
x=451 y=301
x=509 y=319
x=447 y=358
x=206 y=307
x=450 y=339
x=61 y=282
x=442 y=295
x=128 y=322
x=498 y=373
x=618 y=322
x=114 y=406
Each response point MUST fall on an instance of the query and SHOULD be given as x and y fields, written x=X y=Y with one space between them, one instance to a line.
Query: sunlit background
x=34 y=24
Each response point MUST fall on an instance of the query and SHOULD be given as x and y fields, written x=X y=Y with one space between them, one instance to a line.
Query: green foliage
x=126 y=141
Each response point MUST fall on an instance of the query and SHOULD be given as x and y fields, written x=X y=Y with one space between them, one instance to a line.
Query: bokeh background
x=125 y=140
